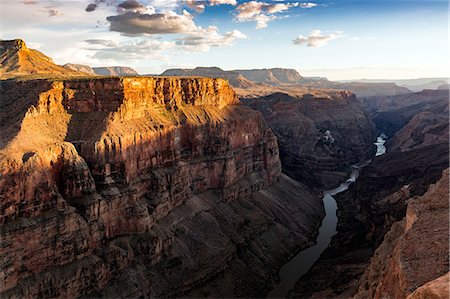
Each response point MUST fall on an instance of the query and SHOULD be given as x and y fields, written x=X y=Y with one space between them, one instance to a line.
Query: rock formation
x=391 y=220
x=422 y=115
x=319 y=136
x=141 y=186
x=16 y=59
x=413 y=260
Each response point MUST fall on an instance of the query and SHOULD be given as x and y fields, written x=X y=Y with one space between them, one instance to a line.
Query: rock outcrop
x=115 y=71
x=16 y=59
x=413 y=261
x=319 y=136
x=142 y=186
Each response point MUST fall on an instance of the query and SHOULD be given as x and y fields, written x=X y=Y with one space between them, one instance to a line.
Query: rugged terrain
x=393 y=233
x=142 y=187
x=320 y=135
x=259 y=82
x=415 y=119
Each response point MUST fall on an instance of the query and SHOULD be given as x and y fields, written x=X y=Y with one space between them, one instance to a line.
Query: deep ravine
x=299 y=265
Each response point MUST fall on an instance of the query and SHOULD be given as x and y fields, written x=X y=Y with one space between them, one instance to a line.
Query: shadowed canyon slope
x=319 y=135
x=393 y=233
x=143 y=187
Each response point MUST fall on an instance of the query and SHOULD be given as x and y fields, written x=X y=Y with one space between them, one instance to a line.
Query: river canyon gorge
x=212 y=183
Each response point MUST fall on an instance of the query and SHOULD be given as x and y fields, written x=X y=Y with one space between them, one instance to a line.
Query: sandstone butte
x=113 y=186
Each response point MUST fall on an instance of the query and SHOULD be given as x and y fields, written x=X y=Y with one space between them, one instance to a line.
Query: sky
x=337 y=39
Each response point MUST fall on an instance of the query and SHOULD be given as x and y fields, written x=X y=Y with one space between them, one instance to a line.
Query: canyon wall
x=319 y=136
x=392 y=238
x=142 y=187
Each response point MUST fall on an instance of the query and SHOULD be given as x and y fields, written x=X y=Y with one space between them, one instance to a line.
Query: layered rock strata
x=319 y=136
x=142 y=187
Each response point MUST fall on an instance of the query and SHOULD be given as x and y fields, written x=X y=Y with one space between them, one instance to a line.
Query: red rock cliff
x=100 y=176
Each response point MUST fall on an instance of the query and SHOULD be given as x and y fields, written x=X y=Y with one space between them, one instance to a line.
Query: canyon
x=125 y=180
x=192 y=185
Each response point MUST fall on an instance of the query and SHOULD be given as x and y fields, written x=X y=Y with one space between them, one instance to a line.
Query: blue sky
x=337 y=39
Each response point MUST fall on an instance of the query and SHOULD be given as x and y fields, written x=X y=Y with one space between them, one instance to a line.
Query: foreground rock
x=142 y=187
x=320 y=135
x=413 y=258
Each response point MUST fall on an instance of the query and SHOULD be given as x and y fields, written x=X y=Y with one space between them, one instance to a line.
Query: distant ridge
x=79 y=68
x=273 y=76
x=235 y=79
x=115 y=71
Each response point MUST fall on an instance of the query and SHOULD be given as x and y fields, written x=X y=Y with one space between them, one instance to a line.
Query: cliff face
x=392 y=113
x=142 y=187
x=418 y=241
x=319 y=136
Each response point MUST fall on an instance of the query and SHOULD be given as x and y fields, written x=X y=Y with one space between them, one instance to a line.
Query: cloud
x=130 y=5
x=263 y=12
x=203 y=39
x=91 y=7
x=198 y=6
x=135 y=49
x=219 y=2
x=307 y=5
x=135 y=23
x=52 y=11
x=317 y=39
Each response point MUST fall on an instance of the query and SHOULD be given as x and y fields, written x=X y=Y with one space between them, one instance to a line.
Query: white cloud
x=263 y=12
x=203 y=39
x=219 y=2
x=317 y=39
x=198 y=6
x=134 y=49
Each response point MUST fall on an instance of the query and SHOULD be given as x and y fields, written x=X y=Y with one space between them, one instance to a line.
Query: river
x=295 y=268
